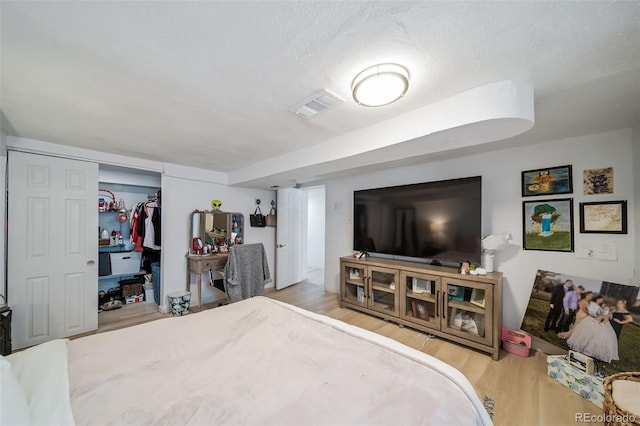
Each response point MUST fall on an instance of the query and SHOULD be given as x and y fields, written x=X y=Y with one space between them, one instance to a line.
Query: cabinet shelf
x=466 y=306
x=108 y=277
x=432 y=311
x=370 y=290
x=383 y=287
x=422 y=296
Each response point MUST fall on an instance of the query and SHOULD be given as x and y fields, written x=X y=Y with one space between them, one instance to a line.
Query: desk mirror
x=215 y=228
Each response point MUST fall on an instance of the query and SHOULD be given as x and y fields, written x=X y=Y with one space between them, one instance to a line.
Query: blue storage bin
x=155 y=278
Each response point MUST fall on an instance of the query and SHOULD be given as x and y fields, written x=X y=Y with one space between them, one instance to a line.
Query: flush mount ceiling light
x=380 y=85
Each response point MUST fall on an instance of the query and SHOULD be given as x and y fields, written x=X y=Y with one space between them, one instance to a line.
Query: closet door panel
x=37 y=298
x=38 y=226
x=74 y=291
x=52 y=237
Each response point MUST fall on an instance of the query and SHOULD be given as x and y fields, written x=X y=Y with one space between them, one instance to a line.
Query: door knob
x=91 y=262
x=281 y=245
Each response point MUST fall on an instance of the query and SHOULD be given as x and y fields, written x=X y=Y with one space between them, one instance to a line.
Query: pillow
x=14 y=410
x=42 y=372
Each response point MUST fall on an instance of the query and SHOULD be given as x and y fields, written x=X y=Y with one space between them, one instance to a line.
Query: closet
x=130 y=254
x=53 y=241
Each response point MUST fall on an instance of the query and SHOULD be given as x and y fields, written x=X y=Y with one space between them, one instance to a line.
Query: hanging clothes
x=149 y=225
x=137 y=237
x=146 y=226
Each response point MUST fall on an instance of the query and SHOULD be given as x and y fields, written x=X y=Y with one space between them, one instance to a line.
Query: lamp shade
x=495 y=243
x=380 y=85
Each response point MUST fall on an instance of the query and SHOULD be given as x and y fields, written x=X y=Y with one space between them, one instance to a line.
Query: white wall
x=315 y=227
x=502 y=209
x=180 y=197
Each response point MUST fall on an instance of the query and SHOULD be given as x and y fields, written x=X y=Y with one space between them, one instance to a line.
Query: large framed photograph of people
x=597 y=318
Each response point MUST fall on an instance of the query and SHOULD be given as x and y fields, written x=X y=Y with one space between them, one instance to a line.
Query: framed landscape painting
x=547 y=181
x=548 y=225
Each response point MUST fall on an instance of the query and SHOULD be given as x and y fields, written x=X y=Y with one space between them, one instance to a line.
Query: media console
x=465 y=309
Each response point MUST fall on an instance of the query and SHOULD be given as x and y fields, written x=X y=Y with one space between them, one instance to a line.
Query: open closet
x=130 y=239
x=53 y=235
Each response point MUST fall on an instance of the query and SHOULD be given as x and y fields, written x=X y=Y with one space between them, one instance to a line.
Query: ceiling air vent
x=315 y=104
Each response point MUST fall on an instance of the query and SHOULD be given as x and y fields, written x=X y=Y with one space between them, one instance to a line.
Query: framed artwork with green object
x=548 y=225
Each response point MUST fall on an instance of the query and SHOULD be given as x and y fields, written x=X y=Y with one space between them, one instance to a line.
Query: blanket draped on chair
x=246 y=272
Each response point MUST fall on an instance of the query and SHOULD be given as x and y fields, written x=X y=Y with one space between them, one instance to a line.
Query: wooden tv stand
x=465 y=309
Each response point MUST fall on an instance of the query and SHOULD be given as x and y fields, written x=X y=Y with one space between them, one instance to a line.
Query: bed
x=255 y=362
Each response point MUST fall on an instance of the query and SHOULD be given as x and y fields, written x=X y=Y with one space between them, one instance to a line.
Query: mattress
x=261 y=362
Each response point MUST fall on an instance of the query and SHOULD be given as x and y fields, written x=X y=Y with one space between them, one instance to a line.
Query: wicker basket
x=614 y=415
x=132 y=290
x=132 y=286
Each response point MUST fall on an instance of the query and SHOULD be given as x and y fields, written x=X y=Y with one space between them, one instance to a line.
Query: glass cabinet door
x=383 y=290
x=354 y=280
x=467 y=307
x=419 y=298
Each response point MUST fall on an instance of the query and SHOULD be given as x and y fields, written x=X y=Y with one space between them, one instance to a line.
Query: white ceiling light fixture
x=380 y=85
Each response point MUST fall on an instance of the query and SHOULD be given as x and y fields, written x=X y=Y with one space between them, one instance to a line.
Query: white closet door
x=52 y=247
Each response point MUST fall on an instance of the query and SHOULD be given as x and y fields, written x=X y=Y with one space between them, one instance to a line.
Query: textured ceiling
x=209 y=84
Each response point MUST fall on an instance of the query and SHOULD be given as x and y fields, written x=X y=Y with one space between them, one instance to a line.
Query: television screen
x=433 y=220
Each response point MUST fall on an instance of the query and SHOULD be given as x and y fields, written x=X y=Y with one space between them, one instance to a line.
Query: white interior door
x=289 y=238
x=53 y=247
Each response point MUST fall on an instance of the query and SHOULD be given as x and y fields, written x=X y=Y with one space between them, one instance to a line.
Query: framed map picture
x=604 y=217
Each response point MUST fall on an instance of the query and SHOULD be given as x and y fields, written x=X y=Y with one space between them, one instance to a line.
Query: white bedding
x=261 y=362
x=42 y=381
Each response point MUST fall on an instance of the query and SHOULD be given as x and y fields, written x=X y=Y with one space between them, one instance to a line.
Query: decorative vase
x=487 y=262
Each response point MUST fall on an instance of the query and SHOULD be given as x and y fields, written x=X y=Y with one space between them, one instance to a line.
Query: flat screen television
x=432 y=221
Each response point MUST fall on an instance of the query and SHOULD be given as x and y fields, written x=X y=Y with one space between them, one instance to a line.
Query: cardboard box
x=588 y=386
x=126 y=262
x=134 y=299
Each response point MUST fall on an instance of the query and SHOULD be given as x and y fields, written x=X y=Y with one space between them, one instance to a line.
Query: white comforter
x=261 y=362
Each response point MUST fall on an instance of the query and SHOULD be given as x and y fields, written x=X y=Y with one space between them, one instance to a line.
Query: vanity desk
x=209 y=229
x=203 y=263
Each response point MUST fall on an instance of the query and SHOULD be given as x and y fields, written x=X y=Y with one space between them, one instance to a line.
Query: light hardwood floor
x=520 y=387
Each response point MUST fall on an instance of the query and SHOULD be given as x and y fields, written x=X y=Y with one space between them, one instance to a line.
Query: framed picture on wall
x=604 y=217
x=598 y=181
x=547 y=181
x=548 y=225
